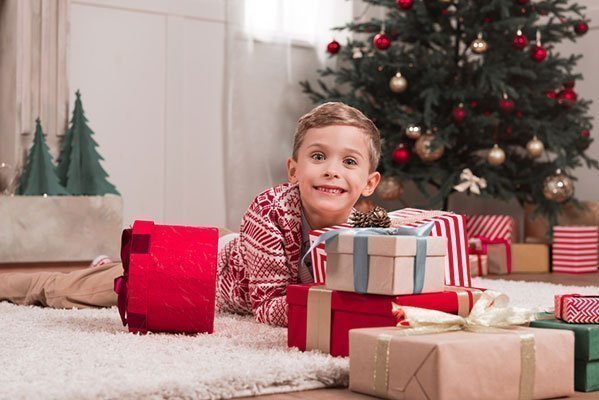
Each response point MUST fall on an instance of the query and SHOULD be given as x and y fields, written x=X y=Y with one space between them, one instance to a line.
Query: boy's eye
x=317 y=156
x=350 y=161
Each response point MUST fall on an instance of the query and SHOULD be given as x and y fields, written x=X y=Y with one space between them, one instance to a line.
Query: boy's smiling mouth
x=330 y=189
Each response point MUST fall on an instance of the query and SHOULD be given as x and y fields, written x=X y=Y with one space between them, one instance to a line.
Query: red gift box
x=169 y=279
x=577 y=309
x=574 y=249
x=333 y=313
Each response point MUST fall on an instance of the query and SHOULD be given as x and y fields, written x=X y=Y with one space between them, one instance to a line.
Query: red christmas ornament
x=551 y=94
x=381 y=41
x=585 y=134
x=538 y=53
x=569 y=85
x=401 y=155
x=487 y=20
x=519 y=42
x=459 y=114
x=473 y=104
x=333 y=47
x=519 y=114
x=506 y=105
x=404 y=4
x=581 y=28
x=567 y=97
x=522 y=2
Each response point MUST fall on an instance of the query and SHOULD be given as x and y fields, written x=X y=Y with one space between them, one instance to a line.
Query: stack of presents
x=400 y=303
x=494 y=248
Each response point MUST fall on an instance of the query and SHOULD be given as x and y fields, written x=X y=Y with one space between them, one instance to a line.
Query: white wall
x=151 y=76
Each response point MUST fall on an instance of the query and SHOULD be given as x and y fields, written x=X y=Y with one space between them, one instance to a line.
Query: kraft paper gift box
x=498 y=251
x=575 y=249
x=478 y=265
x=586 y=351
x=169 y=278
x=446 y=224
x=530 y=257
x=320 y=319
x=461 y=365
x=390 y=265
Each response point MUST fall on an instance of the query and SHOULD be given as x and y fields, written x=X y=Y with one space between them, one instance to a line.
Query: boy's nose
x=331 y=174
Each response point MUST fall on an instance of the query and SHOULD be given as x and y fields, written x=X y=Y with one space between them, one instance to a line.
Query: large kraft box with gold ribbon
x=462 y=365
x=320 y=319
x=363 y=261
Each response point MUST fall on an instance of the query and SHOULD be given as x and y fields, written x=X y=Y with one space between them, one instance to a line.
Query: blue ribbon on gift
x=360 y=258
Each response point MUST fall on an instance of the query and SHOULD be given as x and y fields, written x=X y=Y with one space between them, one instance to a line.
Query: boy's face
x=332 y=170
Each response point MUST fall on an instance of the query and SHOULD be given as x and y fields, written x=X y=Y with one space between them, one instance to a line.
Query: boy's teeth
x=328 y=190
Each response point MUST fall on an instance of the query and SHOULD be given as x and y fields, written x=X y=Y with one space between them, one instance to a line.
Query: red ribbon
x=480 y=265
x=508 y=249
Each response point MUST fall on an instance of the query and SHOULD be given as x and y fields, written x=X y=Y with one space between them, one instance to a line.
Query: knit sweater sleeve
x=267 y=264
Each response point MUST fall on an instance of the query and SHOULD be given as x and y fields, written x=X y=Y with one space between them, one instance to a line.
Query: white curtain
x=271 y=46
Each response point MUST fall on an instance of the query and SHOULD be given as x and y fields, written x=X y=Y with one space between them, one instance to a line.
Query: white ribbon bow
x=470 y=181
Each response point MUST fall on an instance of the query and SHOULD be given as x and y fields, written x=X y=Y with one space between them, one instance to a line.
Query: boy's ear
x=373 y=181
x=291 y=170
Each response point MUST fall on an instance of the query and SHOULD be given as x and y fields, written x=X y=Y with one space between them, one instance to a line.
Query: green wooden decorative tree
x=39 y=176
x=79 y=167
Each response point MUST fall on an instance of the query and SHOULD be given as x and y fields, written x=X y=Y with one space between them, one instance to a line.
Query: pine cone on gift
x=377 y=218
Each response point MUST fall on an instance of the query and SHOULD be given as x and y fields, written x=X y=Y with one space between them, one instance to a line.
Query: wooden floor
x=343 y=393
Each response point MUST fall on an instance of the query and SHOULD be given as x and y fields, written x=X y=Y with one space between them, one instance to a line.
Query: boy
x=336 y=151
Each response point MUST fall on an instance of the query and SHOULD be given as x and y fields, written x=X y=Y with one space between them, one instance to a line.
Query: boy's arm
x=267 y=266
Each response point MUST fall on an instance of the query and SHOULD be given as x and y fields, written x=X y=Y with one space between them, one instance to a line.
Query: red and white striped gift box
x=575 y=249
x=492 y=227
x=447 y=224
x=577 y=309
x=319 y=255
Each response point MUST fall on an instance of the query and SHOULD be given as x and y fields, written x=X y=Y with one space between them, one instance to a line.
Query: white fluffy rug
x=87 y=354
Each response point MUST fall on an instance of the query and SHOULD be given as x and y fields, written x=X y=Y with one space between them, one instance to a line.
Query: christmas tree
x=475 y=88
x=39 y=175
x=79 y=166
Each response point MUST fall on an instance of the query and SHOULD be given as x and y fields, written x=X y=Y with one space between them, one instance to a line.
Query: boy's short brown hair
x=335 y=113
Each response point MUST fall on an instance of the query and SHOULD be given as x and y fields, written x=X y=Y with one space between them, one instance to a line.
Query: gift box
x=498 y=252
x=586 y=376
x=577 y=309
x=478 y=265
x=380 y=261
x=318 y=255
x=586 y=351
x=169 y=279
x=492 y=227
x=513 y=364
x=319 y=318
x=446 y=224
x=575 y=249
x=530 y=257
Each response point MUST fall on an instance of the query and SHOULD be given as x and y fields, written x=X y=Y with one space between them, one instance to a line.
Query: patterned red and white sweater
x=255 y=268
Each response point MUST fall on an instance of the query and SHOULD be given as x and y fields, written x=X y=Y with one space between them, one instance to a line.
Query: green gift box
x=586 y=351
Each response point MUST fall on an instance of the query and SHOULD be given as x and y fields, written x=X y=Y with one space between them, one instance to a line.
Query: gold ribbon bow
x=489 y=314
x=470 y=181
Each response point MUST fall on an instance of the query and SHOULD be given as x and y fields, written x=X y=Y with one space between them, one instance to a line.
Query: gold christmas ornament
x=413 y=132
x=496 y=155
x=389 y=188
x=425 y=150
x=398 y=84
x=558 y=187
x=479 y=45
x=535 y=147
